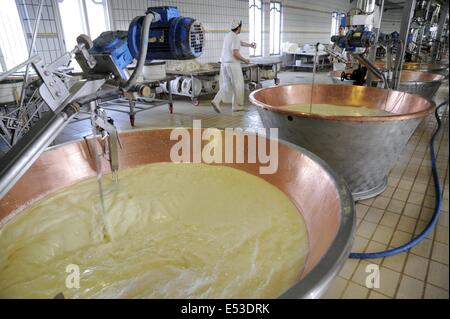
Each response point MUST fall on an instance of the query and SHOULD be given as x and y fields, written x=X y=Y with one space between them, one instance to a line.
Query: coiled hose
x=437 y=209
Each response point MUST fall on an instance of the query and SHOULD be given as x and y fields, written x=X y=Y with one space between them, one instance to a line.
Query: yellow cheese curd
x=175 y=231
x=335 y=110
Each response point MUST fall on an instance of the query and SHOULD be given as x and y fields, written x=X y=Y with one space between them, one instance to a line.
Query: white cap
x=235 y=24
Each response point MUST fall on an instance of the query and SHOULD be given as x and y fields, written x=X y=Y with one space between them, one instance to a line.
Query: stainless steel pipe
x=22 y=155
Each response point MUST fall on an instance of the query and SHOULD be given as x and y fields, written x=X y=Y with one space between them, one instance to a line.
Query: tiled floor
x=394 y=217
x=386 y=221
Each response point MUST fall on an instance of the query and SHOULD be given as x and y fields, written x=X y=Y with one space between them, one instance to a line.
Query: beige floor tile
x=336 y=289
x=410 y=288
x=355 y=291
x=416 y=198
x=416 y=267
x=400 y=238
x=438 y=275
x=419 y=187
x=407 y=224
x=367 y=202
x=375 y=295
x=432 y=292
x=440 y=252
x=429 y=201
x=360 y=274
x=421 y=225
x=383 y=234
x=423 y=249
x=393 y=181
x=405 y=184
x=374 y=215
x=412 y=210
x=361 y=210
x=442 y=234
x=390 y=219
x=359 y=244
x=396 y=206
x=426 y=213
x=445 y=205
x=358 y=221
x=443 y=219
x=395 y=262
x=374 y=247
x=366 y=229
x=381 y=202
x=349 y=268
x=389 y=280
x=388 y=192
x=401 y=194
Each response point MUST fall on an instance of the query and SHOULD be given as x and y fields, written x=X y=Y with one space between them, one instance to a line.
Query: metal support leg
x=422 y=29
x=132 y=104
x=437 y=43
x=407 y=15
x=169 y=90
x=373 y=49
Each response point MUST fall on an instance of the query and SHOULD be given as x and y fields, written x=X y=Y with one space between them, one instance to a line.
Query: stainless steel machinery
x=103 y=62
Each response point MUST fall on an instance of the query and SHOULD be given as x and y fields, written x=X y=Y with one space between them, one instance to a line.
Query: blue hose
x=437 y=210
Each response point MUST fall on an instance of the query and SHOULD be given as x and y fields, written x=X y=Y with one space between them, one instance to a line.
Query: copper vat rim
x=394 y=117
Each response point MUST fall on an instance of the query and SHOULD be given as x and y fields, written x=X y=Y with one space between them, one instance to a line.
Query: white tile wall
x=216 y=16
x=303 y=21
x=390 y=21
x=309 y=21
x=49 y=39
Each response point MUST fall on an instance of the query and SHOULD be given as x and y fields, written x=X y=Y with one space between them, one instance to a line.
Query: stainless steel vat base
x=358 y=196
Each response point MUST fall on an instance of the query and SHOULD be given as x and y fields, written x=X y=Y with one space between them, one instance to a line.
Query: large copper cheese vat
x=425 y=84
x=321 y=195
x=362 y=149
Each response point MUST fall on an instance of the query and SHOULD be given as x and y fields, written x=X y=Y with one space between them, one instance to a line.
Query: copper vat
x=362 y=149
x=321 y=196
x=422 y=83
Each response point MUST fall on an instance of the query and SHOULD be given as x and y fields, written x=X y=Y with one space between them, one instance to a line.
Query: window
x=82 y=17
x=336 y=19
x=13 y=48
x=255 y=22
x=334 y=24
x=275 y=27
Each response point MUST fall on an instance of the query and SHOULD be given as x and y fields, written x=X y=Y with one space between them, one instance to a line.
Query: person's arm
x=237 y=55
x=248 y=45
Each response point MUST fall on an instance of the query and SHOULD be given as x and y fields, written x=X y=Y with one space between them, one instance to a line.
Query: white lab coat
x=231 y=84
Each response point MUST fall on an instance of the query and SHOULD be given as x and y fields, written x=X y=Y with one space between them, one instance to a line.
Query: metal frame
x=262 y=25
x=210 y=74
x=132 y=106
x=441 y=24
x=408 y=12
x=280 y=11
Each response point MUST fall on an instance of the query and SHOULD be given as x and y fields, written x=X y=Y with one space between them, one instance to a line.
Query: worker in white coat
x=231 y=78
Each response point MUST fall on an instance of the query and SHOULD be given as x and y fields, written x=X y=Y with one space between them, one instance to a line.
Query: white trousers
x=231 y=85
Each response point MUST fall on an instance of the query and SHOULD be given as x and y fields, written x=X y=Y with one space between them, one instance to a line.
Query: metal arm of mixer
x=109 y=132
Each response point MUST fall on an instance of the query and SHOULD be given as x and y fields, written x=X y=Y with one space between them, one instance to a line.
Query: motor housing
x=171 y=38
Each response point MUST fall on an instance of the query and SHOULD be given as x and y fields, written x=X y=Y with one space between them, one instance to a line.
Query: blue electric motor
x=171 y=38
x=355 y=39
x=112 y=45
